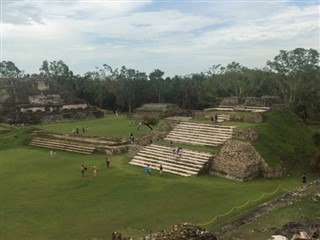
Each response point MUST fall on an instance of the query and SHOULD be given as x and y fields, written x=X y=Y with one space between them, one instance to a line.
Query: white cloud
x=179 y=38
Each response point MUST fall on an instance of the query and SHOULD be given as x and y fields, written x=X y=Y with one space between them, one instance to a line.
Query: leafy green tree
x=44 y=69
x=9 y=70
x=59 y=71
x=157 y=83
x=295 y=70
x=130 y=88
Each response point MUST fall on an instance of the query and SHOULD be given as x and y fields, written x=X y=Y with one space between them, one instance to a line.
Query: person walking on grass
x=107 y=162
x=147 y=169
x=82 y=170
x=160 y=169
x=94 y=171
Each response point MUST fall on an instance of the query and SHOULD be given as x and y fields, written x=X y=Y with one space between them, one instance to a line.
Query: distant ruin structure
x=160 y=110
x=40 y=100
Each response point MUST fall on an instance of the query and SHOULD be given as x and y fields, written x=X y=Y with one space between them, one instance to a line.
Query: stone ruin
x=239 y=160
x=160 y=110
x=39 y=100
x=176 y=232
x=264 y=101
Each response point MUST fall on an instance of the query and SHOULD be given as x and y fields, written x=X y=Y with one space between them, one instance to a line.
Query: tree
x=59 y=71
x=44 y=69
x=9 y=70
x=149 y=121
x=294 y=69
x=130 y=88
x=157 y=83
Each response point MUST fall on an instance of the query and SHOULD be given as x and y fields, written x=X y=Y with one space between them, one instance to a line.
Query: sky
x=178 y=37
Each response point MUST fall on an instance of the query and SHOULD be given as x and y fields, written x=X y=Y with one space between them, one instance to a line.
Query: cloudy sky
x=178 y=37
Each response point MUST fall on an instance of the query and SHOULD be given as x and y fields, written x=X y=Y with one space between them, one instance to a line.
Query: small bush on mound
x=150 y=121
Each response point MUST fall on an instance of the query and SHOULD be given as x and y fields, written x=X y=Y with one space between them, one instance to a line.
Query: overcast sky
x=178 y=37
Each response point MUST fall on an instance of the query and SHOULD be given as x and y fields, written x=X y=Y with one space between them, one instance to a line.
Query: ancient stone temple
x=39 y=100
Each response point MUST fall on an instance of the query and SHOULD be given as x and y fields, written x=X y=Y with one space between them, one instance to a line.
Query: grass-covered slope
x=284 y=139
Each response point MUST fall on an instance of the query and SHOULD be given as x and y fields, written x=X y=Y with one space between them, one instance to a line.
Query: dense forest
x=292 y=75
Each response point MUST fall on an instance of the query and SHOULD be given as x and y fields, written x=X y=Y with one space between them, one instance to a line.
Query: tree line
x=292 y=75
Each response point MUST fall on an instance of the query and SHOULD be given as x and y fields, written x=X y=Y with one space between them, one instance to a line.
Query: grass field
x=43 y=198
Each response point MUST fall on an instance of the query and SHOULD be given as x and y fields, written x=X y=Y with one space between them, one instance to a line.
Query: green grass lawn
x=43 y=198
x=111 y=126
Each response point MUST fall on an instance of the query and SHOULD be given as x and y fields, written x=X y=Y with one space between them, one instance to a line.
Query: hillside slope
x=284 y=139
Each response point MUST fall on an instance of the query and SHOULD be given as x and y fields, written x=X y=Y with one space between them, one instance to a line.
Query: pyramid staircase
x=188 y=163
x=200 y=134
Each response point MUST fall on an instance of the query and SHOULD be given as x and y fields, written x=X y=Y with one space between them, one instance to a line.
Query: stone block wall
x=237 y=160
x=240 y=161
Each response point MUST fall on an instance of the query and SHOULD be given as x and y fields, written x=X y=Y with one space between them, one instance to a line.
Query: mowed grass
x=110 y=126
x=43 y=198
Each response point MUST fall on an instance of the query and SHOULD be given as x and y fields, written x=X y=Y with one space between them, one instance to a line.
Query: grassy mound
x=283 y=139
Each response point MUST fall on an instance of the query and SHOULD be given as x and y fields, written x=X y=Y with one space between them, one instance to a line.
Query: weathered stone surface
x=230 y=101
x=237 y=160
x=264 y=101
x=38 y=100
x=291 y=228
x=269 y=101
x=245 y=134
x=160 y=110
x=251 y=117
x=176 y=232
x=50 y=99
x=240 y=161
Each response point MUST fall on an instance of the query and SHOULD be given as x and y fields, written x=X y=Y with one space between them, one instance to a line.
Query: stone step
x=188 y=163
x=201 y=130
x=185 y=151
x=207 y=125
x=172 y=158
x=164 y=170
x=64 y=148
x=200 y=139
x=62 y=143
x=228 y=109
x=76 y=138
x=192 y=142
x=197 y=134
x=200 y=134
x=174 y=165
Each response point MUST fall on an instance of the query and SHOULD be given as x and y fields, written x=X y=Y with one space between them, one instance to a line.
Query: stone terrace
x=239 y=108
x=76 y=143
x=200 y=134
x=188 y=163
